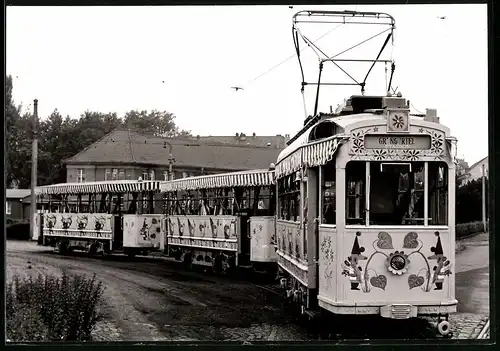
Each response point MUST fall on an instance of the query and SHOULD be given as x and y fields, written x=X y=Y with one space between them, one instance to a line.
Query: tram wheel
x=63 y=247
x=218 y=264
x=188 y=262
x=92 y=250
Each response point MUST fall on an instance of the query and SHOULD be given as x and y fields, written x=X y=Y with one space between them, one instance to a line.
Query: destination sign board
x=407 y=142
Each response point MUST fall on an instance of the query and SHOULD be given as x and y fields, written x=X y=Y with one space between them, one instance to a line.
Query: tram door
x=118 y=232
x=244 y=213
x=244 y=256
x=40 y=236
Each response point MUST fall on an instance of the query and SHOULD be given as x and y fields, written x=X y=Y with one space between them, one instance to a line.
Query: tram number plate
x=399 y=311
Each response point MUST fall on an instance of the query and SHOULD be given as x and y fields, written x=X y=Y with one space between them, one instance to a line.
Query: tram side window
x=355 y=192
x=289 y=198
x=328 y=193
x=438 y=193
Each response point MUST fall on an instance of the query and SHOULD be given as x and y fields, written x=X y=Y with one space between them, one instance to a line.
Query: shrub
x=20 y=231
x=464 y=229
x=52 y=309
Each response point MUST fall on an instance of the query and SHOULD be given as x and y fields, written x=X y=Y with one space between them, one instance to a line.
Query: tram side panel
x=262 y=239
x=79 y=230
x=203 y=240
x=142 y=232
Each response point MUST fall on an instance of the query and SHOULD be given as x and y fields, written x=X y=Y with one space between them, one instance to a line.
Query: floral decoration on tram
x=397 y=262
x=435 y=277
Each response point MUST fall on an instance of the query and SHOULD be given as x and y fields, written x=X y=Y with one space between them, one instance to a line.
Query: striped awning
x=309 y=155
x=118 y=186
x=224 y=180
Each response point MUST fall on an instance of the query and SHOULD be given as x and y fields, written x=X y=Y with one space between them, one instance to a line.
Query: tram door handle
x=316 y=234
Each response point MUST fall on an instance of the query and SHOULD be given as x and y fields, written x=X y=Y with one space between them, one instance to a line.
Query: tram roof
x=116 y=186
x=259 y=177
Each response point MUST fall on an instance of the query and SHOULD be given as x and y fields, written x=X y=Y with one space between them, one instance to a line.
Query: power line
x=288 y=58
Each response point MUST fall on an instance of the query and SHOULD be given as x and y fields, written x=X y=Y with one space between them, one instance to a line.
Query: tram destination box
x=412 y=142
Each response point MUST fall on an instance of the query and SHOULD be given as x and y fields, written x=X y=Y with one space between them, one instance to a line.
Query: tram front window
x=396 y=193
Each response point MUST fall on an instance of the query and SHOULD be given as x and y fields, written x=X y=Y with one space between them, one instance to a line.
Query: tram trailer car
x=222 y=221
x=101 y=217
x=365 y=217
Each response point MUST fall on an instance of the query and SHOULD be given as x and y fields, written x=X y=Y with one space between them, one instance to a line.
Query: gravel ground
x=149 y=300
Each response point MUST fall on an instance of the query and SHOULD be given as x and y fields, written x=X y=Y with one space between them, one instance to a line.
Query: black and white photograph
x=247 y=174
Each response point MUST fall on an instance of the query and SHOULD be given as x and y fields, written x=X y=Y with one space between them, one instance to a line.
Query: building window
x=145 y=174
x=115 y=174
x=152 y=174
x=184 y=174
x=165 y=175
x=121 y=174
x=107 y=174
x=81 y=175
x=8 y=208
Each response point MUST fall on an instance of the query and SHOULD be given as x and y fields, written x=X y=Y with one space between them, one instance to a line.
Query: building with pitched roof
x=474 y=172
x=126 y=154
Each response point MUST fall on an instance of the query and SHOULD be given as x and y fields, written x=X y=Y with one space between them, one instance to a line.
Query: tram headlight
x=397 y=263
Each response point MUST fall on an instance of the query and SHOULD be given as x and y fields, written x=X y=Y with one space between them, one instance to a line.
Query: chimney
x=431 y=115
x=197 y=137
x=237 y=135
x=254 y=135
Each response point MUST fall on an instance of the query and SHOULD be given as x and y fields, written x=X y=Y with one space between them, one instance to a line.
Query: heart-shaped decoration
x=415 y=281
x=384 y=241
x=379 y=281
x=410 y=241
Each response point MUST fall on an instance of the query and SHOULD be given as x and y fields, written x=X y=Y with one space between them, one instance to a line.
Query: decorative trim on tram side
x=78 y=226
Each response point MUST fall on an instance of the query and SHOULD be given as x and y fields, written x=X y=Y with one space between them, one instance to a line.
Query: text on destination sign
x=421 y=142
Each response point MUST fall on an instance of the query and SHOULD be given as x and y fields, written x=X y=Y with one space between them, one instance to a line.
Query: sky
x=186 y=59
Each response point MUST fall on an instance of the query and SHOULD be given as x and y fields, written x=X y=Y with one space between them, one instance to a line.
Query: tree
x=12 y=114
x=160 y=123
x=469 y=204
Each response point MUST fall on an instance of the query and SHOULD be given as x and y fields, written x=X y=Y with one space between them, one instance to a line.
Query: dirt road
x=149 y=300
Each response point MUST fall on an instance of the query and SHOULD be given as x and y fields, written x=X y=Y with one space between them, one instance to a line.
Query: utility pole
x=34 y=157
x=483 y=197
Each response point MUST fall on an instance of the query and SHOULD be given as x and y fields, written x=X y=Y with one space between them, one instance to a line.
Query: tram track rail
x=485 y=331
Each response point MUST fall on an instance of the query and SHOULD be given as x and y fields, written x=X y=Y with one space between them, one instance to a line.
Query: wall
x=16 y=209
